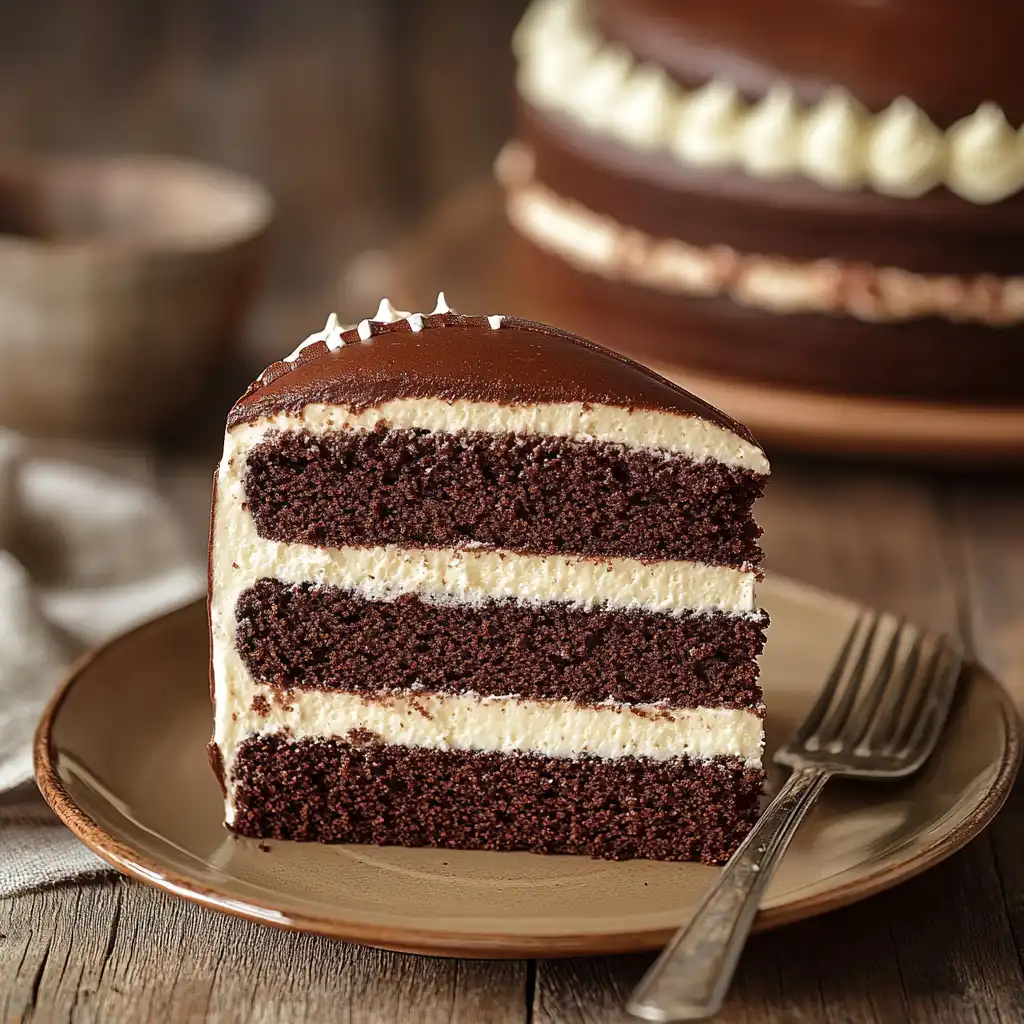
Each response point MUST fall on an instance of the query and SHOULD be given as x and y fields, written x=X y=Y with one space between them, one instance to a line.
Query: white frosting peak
x=833 y=141
x=387 y=314
x=707 y=131
x=535 y=26
x=987 y=157
x=560 y=49
x=644 y=109
x=331 y=334
x=598 y=85
x=771 y=135
x=906 y=153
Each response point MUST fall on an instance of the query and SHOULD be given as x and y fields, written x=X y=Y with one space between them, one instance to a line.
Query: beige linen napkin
x=87 y=550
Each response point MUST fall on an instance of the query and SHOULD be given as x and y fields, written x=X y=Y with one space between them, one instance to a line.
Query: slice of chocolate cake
x=478 y=583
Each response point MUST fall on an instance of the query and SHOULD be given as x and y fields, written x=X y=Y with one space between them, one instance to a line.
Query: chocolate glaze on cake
x=946 y=56
x=458 y=357
x=361 y=791
x=216 y=760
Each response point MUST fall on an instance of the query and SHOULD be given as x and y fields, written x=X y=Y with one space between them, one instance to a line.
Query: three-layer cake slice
x=478 y=583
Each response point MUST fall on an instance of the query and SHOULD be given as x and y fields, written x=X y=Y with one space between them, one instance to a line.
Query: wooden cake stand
x=465 y=249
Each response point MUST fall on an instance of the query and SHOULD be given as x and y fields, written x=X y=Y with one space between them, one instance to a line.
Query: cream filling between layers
x=641 y=429
x=467 y=721
x=473 y=576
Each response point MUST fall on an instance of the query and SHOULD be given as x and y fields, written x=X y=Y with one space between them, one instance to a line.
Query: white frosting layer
x=597 y=244
x=475 y=575
x=641 y=429
x=564 y=66
x=553 y=728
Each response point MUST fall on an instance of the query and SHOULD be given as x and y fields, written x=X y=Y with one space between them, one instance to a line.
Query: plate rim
x=130 y=862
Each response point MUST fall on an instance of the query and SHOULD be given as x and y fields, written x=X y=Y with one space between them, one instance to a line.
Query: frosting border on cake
x=564 y=65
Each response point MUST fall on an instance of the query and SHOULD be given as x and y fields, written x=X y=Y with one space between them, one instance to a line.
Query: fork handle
x=691 y=977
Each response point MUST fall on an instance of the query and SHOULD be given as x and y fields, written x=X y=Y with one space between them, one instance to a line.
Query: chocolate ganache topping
x=452 y=357
x=947 y=57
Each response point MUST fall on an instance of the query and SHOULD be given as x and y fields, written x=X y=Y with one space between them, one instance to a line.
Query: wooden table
x=358 y=126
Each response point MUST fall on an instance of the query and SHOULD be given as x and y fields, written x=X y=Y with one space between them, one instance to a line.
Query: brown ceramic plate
x=120 y=756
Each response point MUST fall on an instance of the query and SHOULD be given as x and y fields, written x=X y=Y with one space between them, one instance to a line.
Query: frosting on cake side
x=565 y=66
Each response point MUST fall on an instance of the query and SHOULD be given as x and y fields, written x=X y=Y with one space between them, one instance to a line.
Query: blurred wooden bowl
x=122 y=279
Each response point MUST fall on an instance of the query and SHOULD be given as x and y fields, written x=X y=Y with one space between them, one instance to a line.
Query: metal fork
x=879 y=716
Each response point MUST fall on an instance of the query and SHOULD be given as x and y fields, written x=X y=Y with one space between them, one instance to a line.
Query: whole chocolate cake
x=823 y=194
x=478 y=583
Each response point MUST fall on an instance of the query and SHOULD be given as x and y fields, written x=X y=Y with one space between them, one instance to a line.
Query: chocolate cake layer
x=457 y=358
x=364 y=792
x=324 y=637
x=540 y=495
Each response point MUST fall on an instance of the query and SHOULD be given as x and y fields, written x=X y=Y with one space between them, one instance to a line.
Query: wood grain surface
x=360 y=116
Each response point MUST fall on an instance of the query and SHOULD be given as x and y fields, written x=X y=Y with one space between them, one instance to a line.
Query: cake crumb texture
x=367 y=792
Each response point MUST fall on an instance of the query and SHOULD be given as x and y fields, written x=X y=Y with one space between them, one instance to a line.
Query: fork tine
x=816 y=715
x=940 y=689
x=883 y=729
x=908 y=718
x=864 y=715
x=834 y=723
